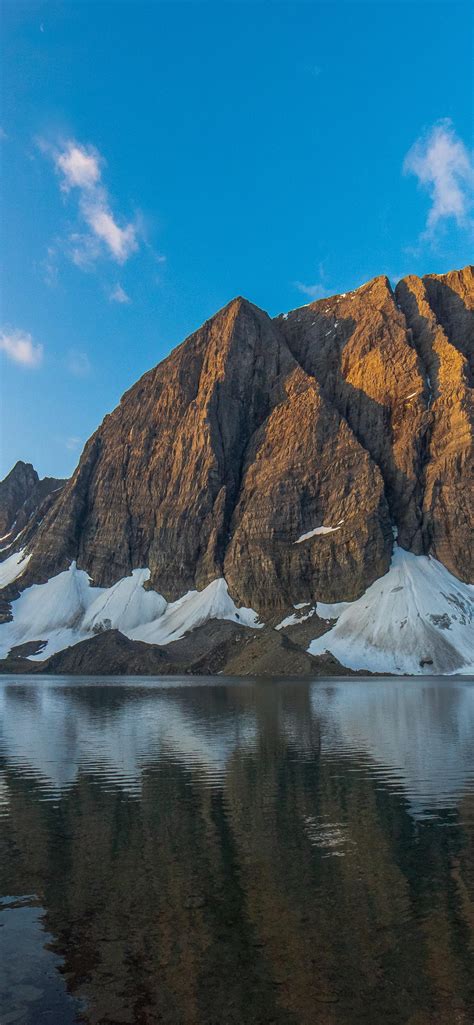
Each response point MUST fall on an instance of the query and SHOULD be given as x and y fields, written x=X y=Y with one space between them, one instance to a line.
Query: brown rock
x=439 y=310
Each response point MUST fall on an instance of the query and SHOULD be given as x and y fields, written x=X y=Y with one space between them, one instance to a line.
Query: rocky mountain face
x=282 y=454
x=21 y=495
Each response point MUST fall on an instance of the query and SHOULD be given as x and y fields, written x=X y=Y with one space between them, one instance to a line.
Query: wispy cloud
x=49 y=266
x=20 y=348
x=314 y=70
x=78 y=363
x=3 y=134
x=119 y=295
x=444 y=167
x=79 y=168
x=72 y=443
x=316 y=291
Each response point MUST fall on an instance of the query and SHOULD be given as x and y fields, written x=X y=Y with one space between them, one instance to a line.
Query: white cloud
x=119 y=295
x=316 y=291
x=78 y=363
x=80 y=168
x=3 y=134
x=444 y=167
x=121 y=242
x=20 y=348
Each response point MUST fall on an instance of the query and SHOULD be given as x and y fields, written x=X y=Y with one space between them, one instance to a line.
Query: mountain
x=22 y=494
x=268 y=473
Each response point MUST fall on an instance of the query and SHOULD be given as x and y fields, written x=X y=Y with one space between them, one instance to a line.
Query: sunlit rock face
x=279 y=457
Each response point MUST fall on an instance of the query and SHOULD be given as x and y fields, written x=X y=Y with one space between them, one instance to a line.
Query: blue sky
x=159 y=159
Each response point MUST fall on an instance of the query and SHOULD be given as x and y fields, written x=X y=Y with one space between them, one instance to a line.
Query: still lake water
x=223 y=852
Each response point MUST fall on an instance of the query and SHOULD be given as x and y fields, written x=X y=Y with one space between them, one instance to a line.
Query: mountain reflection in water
x=237 y=852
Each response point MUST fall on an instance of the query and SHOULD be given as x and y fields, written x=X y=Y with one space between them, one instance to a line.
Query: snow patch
x=316 y=531
x=13 y=567
x=293 y=619
x=325 y=611
x=417 y=618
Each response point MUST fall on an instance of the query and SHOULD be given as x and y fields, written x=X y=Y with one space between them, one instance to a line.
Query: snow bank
x=67 y=610
x=13 y=567
x=418 y=618
x=192 y=610
x=124 y=606
x=50 y=612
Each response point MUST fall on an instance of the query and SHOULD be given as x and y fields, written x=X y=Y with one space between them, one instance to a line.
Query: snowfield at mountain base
x=67 y=610
x=418 y=618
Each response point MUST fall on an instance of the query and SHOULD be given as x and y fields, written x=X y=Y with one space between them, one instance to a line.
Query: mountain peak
x=21 y=492
x=279 y=455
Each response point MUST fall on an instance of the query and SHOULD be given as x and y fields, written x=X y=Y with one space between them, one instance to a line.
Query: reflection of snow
x=415 y=737
x=420 y=735
x=53 y=734
x=331 y=837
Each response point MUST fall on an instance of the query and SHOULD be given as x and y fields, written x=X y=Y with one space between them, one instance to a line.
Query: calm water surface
x=231 y=852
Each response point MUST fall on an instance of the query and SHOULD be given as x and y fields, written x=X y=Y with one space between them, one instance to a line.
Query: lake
x=236 y=852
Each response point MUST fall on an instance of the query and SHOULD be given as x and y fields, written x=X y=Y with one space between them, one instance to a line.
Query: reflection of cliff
x=294 y=886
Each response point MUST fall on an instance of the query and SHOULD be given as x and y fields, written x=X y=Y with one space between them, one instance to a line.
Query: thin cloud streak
x=316 y=291
x=72 y=443
x=78 y=363
x=119 y=295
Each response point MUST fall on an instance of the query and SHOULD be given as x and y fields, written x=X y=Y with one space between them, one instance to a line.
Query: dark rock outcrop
x=22 y=496
x=215 y=647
